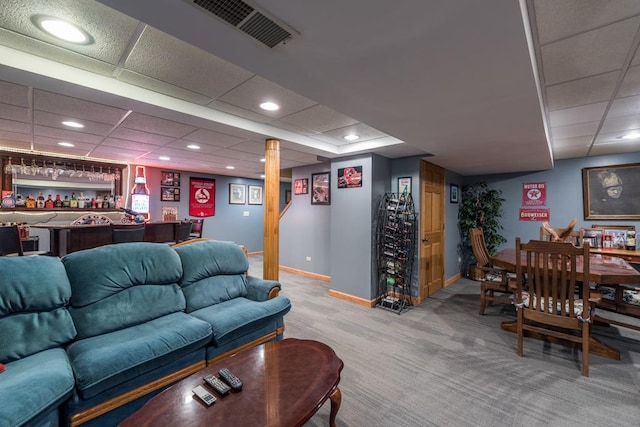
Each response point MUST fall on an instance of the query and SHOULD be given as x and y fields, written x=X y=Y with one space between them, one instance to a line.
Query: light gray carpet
x=442 y=364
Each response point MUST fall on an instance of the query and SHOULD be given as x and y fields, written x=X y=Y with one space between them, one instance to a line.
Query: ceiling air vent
x=249 y=20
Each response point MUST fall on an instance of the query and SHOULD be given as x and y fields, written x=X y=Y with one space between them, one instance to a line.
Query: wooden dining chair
x=551 y=306
x=182 y=231
x=493 y=279
x=196 y=228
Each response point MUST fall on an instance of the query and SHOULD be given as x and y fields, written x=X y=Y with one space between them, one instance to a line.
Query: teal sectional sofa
x=117 y=324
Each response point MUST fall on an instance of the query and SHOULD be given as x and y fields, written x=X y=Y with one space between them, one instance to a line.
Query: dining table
x=603 y=270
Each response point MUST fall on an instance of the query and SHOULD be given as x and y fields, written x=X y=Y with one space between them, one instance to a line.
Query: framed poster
x=350 y=177
x=170 y=179
x=169 y=213
x=169 y=194
x=453 y=193
x=301 y=186
x=202 y=197
x=611 y=192
x=320 y=188
x=255 y=195
x=404 y=184
x=237 y=194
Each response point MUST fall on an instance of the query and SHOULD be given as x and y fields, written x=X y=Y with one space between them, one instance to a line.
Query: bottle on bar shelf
x=48 y=204
x=81 y=201
x=66 y=203
x=94 y=204
x=30 y=203
x=40 y=201
x=73 y=203
x=58 y=201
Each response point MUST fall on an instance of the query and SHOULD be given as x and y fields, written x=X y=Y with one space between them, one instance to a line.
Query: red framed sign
x=202 y=197
x=534 y=194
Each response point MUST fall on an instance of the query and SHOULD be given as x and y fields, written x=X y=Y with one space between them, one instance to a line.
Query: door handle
x=425 y=240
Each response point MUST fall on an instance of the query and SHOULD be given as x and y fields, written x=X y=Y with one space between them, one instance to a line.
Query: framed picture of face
x=320 y=188
x=611 y=192
x=255 y=195
x=237 y=194
x=301 y=186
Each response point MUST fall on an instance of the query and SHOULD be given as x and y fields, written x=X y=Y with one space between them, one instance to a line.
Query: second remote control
x=228 y=377
x=217 y=384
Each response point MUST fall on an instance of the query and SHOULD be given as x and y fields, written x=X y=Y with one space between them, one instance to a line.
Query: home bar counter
x=65 y=238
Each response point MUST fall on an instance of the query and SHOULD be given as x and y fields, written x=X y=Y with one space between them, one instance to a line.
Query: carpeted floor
x=442 y=364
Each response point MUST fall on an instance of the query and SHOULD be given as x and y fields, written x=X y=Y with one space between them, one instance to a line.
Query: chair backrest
x=551 y=271
x=183 y=229
x=196 y=228
x=128 y=233
x=10 y=242
x=479 y=247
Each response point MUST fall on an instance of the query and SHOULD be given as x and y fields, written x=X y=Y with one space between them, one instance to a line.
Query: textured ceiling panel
x=13 y=112
x=14 y=126
x=6 y=136
x=76 y=108
x=631 y=84
x=366 y=133
x=140 y=136
x=162 y=87
x=582 y=114
x=156 y=125
x=319 y=119
x=581 y=129
x=67 y=135
x=581 y=92
x=238 y=111
x=54 y=120
x=619 y=124
x=213 y=138
x=629 y=106
x=14 y=94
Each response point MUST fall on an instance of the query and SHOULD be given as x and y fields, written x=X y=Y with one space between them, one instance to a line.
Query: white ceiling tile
x=582 y=114
x=615 y=148
x=217 y=139
x=319 y=119
x=157 y=125
x=128 y=145
x=621 y=124
x=366 y=133
x=557 y=19
x=162 y=87
x=594 y=52
x=53 y=142
x=67 y=135
x=257 y=90
x=76 y=108
x=570 y=152
x=581 y=129
x=610 y=137
x=14 y=112
x=579 y=141
x=14 y=94
x=6 y=137
x=237 y=111
x=631 y=84
x=54 y=120
x=252 y=147
x=14 y=126
x=140 y=136
x=589 y=90
x=181 y=144
x=629 y=106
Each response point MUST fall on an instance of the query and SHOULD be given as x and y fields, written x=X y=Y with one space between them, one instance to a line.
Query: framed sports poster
x=202 y=197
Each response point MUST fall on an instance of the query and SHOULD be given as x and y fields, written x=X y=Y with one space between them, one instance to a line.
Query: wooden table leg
x=595 y=347
x=336 y=399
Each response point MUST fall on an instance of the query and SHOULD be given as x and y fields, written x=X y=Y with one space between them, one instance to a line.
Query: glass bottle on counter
x=66 y=203
x=81 y=201
x=30 y=203
x=73 y=203
x=49 y=204
x=40 y=201
x=630 y=243
x=140 y=192
x=58 y=201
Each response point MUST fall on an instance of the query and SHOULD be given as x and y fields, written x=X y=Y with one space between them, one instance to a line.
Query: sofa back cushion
x=34 y=295
x=214 y=271
x=117 y=286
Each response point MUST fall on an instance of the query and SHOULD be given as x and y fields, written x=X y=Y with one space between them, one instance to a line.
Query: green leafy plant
x=480 y=206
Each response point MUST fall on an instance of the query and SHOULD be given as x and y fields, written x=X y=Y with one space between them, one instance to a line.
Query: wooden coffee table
x=284 y=384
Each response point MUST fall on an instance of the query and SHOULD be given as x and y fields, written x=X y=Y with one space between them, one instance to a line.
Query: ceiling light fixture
x=351 y=137
x=164 y=158
x=269 y=106
x=66 y=144
x=632 y=135
x=62 y=30
x=263 y=160
x=193 y=146
x=72 y=124
x=231 y=167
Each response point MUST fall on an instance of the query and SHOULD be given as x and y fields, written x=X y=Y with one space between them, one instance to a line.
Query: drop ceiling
x=477 y=87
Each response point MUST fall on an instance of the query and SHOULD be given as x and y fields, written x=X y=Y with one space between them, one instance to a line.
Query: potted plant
x=480 y=206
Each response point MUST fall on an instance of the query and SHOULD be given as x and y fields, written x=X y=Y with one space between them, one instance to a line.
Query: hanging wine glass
x=23 y=167
x=54 y=171
x=8 y=168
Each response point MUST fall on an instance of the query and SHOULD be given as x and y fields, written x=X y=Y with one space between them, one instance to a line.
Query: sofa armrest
x=261 y=290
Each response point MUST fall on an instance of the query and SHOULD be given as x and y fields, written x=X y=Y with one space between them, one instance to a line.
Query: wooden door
x=431 y=239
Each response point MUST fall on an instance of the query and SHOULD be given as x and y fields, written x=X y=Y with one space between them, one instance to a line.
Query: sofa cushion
x=111 y=283
x=240 y=316
x=104 y=361
x=34 y=385
x=213 y=273
x=33 y=315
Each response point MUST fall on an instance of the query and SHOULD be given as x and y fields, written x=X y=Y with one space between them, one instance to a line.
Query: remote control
x=228 y=377
x=217 y=384
x=204 y=395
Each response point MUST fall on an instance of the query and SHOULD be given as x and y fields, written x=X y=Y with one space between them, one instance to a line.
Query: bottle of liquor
x=73 y=203
x=40 y=201
x=630 y=244
x=66 y=203
x=30 y=202
x=81 y=201
x=94 y=204
x=140 y=193
x=58 y=201
x=105 y=202
x=48 y=204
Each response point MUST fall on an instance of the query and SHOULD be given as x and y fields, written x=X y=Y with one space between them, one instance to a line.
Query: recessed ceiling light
x=632 y=135
x=73 y=124
x=66 y=144
x=164 y=158
x=269 y=106
x=231 y=167
x=263 y=160
x=63 y=30
x=351 y=137
x=193 y=146
x=262 y=176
